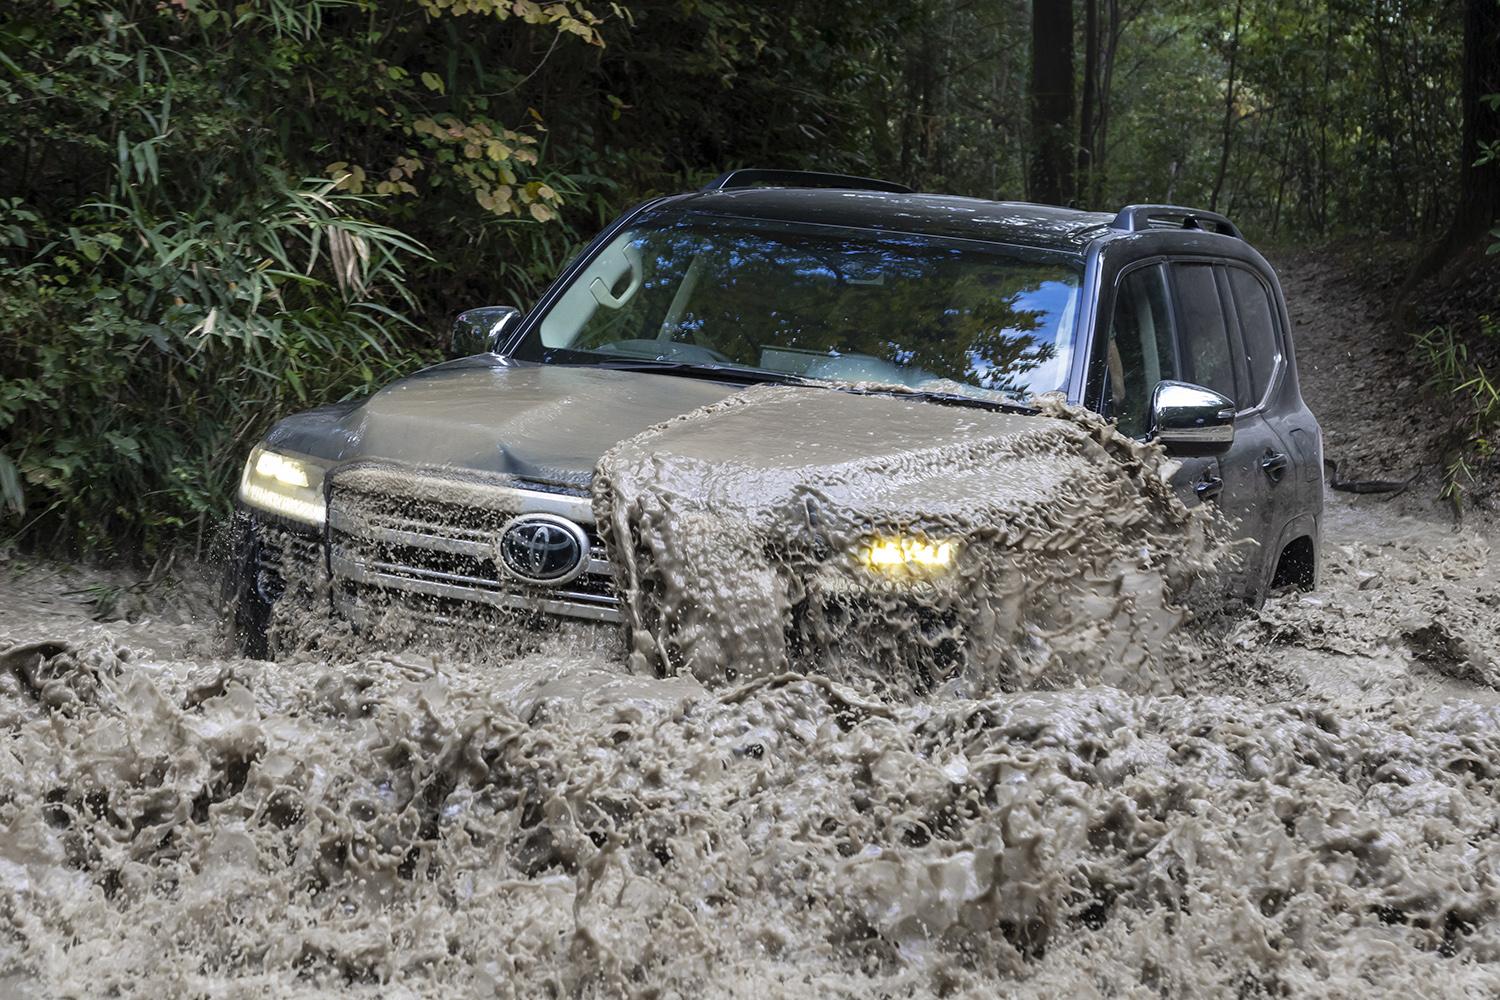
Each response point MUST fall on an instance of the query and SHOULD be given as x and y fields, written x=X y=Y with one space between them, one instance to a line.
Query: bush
x=212 y=213
x=142 y=357
x=1458 y=373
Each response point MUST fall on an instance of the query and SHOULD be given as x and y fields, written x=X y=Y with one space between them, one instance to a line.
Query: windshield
x=823 y=303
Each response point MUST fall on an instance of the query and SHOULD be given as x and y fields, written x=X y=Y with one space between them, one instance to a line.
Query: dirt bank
x=1309 y=810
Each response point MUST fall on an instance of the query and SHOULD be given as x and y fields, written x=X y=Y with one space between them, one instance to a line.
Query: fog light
x=908 y=555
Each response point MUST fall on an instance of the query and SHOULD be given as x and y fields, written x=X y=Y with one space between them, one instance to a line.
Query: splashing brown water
x=551 y=823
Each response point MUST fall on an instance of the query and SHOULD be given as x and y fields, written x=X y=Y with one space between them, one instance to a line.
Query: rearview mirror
x=482 y=331
x=1190 y=420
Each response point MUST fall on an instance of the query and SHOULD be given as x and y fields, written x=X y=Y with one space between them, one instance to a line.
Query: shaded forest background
x=216 y=211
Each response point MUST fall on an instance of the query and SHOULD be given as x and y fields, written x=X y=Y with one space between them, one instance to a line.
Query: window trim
x=1273 y=383
x=1092 y=395
x=1092 y=389
x=1231 y=330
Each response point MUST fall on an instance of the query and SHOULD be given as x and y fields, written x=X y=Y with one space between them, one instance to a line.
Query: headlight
x=284 y=484
x=908 y=555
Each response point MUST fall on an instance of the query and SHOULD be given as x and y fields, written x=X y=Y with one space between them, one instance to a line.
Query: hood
x=545 y=423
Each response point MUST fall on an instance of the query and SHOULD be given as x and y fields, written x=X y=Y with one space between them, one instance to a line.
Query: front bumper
x=426 y=543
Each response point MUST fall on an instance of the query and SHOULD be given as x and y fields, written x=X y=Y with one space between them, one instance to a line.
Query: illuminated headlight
x=908 y=555
x=284 y=484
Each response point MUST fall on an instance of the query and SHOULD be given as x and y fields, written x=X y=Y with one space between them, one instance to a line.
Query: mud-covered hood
x=548 y=423
x=553 y=423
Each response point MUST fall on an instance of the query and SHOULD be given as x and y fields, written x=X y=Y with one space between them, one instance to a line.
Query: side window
x=1139 y=352
x=1252 y=302
x=1206 y=357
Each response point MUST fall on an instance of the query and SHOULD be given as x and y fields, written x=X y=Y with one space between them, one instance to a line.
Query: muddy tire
x=250 y=625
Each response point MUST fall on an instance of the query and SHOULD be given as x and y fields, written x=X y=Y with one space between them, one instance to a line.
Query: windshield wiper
x=757 y=376
x=941 y=398
x=721 y=373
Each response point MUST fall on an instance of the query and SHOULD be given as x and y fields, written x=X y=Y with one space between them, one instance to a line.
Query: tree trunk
x=1479 y=183
x=1090 y=95
x=1228 y=137
x=1114 y=29
x=1052 y=101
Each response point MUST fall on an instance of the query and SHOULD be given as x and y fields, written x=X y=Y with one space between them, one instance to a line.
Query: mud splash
x=1298 y=802
x=564 y=828
x=734 y=520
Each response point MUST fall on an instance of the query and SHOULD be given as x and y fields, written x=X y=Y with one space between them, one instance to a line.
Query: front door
x=1213 y=355
x=1140 y=352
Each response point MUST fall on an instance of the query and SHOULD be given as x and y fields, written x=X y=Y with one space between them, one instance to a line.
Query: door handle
x=1274 y=465
x=1208 y=487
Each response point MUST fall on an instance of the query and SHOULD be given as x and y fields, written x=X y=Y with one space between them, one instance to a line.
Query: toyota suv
x=466 y=488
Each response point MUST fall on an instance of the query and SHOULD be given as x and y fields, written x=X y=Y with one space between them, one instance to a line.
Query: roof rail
x=1134 y=218
x=801 y=178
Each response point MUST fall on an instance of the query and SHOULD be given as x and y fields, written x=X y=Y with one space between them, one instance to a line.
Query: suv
x=468 y=484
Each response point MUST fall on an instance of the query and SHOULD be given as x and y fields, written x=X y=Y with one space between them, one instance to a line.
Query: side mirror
x=482 y=331
x=1191 y=420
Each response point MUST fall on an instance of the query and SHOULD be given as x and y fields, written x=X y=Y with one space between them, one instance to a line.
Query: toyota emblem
x=543 y=549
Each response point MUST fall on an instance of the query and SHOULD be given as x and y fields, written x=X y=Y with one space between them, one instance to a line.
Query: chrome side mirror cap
x=482 y=331
x=1190 y=420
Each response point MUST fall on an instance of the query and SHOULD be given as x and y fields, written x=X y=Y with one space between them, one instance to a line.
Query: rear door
x=1260 y=363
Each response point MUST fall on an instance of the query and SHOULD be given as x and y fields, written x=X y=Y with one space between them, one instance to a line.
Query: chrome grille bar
x=378 y=544
x=572 y=604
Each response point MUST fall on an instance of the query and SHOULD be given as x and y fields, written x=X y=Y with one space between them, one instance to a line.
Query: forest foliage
x=215 y=211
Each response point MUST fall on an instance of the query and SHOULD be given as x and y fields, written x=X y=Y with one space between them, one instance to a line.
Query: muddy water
x=1301 y=801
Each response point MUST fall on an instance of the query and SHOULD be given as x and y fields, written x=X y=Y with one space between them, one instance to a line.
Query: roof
x=1013 y=222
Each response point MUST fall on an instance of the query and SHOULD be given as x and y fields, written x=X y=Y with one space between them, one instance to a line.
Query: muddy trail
x=1297 y=801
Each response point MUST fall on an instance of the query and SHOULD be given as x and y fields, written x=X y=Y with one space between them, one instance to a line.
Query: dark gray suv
x=468 y=484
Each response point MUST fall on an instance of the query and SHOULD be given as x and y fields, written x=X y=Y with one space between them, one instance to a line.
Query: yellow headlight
x=284 y=484
x=908 y=554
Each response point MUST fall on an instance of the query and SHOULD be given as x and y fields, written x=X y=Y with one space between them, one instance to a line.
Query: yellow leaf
x=434 y=82
x=542 y=213
x=543 y=191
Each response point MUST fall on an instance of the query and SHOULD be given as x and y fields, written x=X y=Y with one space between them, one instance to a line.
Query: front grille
x=437 y=538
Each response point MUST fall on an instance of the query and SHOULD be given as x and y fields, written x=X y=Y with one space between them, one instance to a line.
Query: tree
x=1086 y=117
x=1052 y=101
x=1479 y=146
x=1478 y=204
x=1227 y=134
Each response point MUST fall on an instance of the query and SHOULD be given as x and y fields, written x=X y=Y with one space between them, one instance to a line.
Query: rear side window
x=1252 y=302
x=1140 y=352
x=1201 y=330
